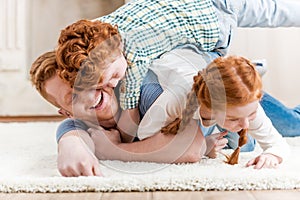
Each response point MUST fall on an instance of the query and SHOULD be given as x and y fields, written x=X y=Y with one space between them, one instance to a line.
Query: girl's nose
x=244 y=123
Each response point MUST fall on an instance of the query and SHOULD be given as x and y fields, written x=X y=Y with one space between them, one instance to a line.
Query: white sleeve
x=163 y=111
x=175 y=71
x=267 y=136
x=178 y=67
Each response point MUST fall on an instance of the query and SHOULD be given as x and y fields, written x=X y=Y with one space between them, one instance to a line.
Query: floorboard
x=34 y=118
x=160 y=195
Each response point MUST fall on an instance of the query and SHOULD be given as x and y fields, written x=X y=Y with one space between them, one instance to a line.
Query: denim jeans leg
x=285 y=120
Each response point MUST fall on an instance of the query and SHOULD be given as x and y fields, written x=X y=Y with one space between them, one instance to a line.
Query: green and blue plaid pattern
x=150 y=28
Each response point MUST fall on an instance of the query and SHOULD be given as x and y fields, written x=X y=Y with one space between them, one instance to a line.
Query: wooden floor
x=208 y=195
x=8 y=119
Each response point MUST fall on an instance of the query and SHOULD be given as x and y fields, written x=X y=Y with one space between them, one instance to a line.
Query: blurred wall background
x=31 y=27
x=279 y=46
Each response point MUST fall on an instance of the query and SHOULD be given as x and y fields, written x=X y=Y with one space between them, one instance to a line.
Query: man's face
x=94 y=104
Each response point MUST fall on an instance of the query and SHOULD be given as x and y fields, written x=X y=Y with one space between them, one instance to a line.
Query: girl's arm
x=272 y=143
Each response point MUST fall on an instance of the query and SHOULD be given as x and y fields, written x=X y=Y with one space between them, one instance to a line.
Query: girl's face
x=237 y=118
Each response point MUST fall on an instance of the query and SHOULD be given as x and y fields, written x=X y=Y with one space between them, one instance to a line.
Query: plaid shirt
x=150 y=28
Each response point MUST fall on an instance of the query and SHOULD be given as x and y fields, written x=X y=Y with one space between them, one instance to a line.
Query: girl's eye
x=252 y=116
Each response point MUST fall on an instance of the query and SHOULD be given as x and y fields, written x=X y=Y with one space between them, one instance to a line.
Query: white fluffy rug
x=28 y=164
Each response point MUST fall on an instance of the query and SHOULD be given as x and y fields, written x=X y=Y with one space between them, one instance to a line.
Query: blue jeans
x=285 y=120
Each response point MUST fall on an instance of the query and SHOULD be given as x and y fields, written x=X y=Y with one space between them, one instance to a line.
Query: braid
x=243 y=137
x=179 y=124
x=191 y=106
x=234 y=157
x=188 y=112
x=172 y=127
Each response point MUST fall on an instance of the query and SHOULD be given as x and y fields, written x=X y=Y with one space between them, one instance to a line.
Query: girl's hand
x=215 y=143
x=265 y=161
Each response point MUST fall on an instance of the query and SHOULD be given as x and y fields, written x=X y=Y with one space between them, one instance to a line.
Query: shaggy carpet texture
x=28 y=164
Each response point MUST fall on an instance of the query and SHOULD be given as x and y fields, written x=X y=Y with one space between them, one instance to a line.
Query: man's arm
x=76 y=155
x=186 y=146
x=128 y=124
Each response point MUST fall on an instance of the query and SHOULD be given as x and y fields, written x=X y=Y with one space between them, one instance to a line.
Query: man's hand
x=75 y=157
x=105 y=141
x=197 y=148
x=128 y=124
x=266 y=160
x=214 y=143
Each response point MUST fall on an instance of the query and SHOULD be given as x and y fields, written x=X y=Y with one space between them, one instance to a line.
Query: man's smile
x=99 y=101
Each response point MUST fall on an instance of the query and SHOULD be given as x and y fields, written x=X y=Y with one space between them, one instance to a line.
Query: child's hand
x=265 y=161
x=75 y=158
x=215 y=143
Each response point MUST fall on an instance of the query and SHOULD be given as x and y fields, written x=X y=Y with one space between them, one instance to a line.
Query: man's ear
x=64 y=113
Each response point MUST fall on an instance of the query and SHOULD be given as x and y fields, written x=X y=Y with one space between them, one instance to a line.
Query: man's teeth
x=97 y=101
